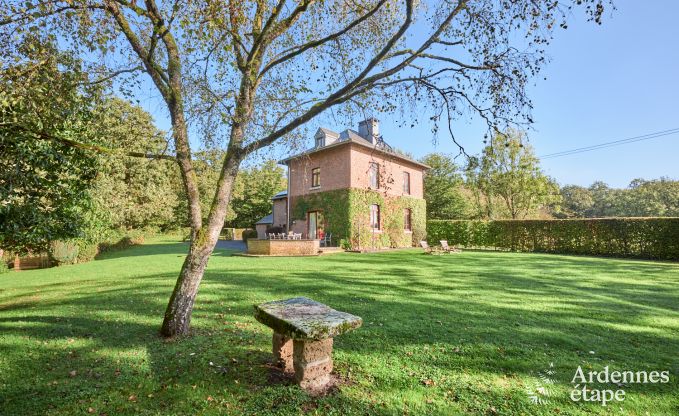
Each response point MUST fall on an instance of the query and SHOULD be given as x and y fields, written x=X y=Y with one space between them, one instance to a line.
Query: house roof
x=351 y=136
x=327 y=131
x=266 y=220
x=280 y=195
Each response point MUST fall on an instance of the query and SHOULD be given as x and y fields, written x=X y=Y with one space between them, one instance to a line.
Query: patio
x=283 y=247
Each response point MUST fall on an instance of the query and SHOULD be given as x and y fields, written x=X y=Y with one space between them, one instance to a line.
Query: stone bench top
x=303 y=318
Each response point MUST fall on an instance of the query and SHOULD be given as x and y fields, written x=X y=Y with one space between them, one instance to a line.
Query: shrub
x=6 y=261
x=649 y=238
x=87 y=251
x=226 y=234
x=137 y=237
x=247 y=234
x=121 y=241
x=345 y=244
x=63 y=252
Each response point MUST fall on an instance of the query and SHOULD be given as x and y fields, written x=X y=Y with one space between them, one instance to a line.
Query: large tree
x=444 y=188
x=44 y=184
x=134 y=191
x=255 y=187
x=576 y=202
x=247 y=74
x=509 y=170
x=642 y=198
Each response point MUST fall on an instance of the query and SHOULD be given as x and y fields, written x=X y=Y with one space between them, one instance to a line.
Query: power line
x=612 y=143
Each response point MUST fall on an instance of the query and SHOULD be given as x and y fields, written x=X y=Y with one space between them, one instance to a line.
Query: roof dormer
x=324 y=137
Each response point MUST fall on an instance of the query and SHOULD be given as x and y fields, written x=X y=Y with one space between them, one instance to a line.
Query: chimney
x=369 y=129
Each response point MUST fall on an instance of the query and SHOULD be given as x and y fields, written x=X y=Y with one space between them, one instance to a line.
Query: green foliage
x=642 y=198
x=134 y=192
x=3 y=266
x=444 y=189
x=122 y=241
x=650 y=238
x=347 y=217
x=253 y=192
x=576 y=201
x=63 y=252
x=248 y=234
x=510 y=172
x=45 y=179
x=87 y=251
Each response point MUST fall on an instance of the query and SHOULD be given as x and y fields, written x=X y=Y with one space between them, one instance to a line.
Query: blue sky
x=604 y=83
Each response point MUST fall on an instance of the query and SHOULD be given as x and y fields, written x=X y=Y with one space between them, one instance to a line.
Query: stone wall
x=283 y=247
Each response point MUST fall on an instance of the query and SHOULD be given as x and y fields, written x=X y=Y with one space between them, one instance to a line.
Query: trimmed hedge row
x=647 y=238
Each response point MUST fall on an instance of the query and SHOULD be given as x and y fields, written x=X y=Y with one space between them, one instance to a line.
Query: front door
x=315 y=225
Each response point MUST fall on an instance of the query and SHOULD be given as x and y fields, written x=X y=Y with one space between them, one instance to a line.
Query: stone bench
x=303 y=332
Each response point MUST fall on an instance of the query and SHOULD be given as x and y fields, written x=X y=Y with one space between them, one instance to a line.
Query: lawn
x=458 y=334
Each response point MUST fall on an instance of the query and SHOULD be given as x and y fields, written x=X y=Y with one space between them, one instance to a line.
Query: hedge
x=647 y=238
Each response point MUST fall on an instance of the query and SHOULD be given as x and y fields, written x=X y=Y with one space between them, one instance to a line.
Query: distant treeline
x=642 y=198
x=506 y=182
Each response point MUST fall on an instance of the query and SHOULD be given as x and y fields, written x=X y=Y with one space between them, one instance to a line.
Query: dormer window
x=320 y=141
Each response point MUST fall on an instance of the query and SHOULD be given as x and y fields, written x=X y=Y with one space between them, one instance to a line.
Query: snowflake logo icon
x=539 y=391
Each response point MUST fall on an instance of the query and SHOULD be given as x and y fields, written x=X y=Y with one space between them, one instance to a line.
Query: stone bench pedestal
x=312 y=363
x=303 y=337
x=282 y=352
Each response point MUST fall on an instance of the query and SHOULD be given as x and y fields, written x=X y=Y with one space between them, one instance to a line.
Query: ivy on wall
x=347 y=217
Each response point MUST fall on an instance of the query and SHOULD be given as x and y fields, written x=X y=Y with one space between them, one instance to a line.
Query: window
x=315 y=177
x=319 y=141
x=406 y=219
x=375 y=217
x=374 y=175
x=406 y=183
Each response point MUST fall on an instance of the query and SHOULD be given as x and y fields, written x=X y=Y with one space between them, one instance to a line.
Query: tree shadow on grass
x=458 y=320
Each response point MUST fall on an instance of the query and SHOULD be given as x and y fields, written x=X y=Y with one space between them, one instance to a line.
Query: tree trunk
x=177 y=320
x=178 y=314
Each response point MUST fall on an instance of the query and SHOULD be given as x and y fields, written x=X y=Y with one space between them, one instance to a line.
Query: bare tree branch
x=297 y=50
x=40 y=135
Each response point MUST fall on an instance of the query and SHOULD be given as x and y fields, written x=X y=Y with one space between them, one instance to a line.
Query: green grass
x=452 y=334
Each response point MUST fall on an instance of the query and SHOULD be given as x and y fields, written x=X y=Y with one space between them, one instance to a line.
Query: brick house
x=355 y=187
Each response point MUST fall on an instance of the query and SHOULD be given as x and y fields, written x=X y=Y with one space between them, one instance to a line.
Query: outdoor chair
x=326 y=241
x=446 y=248
x=428 y=249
